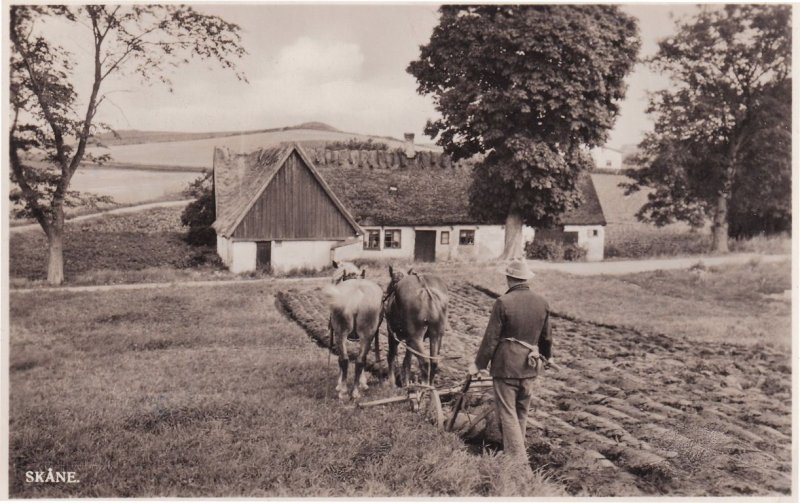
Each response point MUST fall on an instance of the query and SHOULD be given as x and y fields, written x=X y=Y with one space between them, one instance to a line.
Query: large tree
x=52 y=123
x=528 y=89
x=721 y=146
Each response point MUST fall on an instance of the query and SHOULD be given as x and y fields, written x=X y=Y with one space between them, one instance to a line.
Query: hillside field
x=200 y=152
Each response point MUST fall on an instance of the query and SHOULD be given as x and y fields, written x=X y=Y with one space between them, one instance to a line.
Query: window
x=391 y=238
x=608 y=163
x=593 y=232
x=466 y=237
x=445 y=238
x=372 y=240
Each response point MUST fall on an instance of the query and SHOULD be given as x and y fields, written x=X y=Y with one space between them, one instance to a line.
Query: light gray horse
x=355 y=312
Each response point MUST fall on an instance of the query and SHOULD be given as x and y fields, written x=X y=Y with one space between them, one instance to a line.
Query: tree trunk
x=513 y=236
x=55 y=241
x=719 y=229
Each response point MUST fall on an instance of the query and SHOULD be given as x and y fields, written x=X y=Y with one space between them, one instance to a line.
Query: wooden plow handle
x=459 y=403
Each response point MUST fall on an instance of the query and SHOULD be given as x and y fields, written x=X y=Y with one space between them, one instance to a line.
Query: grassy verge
x=211 y=392
x=743 y=304
x=633 y=241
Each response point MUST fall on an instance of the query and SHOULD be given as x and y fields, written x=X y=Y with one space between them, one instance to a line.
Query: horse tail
x=437 y=300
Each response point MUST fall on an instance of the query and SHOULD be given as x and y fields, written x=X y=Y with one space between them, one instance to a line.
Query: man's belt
x=534 y=358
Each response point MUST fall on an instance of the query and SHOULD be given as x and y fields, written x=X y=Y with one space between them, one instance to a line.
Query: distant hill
x=135 y=136
x=195 y=150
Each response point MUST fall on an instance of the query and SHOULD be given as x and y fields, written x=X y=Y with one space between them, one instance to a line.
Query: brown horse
x=355 y=313
x=416 y=309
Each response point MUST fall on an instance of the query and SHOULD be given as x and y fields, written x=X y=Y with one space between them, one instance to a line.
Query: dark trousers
x=512 y=398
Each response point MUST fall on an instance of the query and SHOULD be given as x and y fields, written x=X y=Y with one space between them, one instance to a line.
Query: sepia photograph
x=383 y=250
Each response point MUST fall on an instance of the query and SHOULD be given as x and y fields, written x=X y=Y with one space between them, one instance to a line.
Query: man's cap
x=518 y=269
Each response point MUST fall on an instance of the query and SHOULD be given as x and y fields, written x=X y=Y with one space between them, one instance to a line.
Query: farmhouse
x=286 y=208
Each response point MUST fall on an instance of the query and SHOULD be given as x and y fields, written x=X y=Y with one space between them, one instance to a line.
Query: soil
x=629 y=413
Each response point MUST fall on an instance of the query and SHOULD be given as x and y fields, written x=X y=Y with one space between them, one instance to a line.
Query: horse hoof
x=343 y=396
x=356 y=395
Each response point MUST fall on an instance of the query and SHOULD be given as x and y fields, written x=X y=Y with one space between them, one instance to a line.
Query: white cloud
x=309 y=59
x=309 y=80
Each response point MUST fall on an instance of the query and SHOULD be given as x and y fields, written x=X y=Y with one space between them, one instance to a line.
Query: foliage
x=644 y=241
x=356 y=144
x=721 y=144
x=200 y=213
x=549 y=249
x=528 y=103
x=48 y=134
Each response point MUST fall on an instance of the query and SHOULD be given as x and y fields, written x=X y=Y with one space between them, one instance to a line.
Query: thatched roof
x=395 y=195
x=432 y=196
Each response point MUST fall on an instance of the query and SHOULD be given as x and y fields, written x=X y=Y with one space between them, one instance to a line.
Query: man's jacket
x=519 y=314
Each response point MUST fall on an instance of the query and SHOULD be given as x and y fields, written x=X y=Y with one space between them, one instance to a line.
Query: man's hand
x=473 y=369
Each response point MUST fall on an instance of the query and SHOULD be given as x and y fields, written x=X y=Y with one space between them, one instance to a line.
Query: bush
x=548 y=249
x=356 y=144
x=200 y=213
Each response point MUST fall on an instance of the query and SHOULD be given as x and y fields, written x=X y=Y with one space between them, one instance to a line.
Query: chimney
x=409 y=145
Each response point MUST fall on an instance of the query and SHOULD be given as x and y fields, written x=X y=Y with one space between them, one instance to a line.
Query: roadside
x=634 y=266
x=575 y=268
x=116 y=211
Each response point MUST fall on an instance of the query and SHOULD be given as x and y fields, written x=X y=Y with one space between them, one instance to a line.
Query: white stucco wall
x=489 y=242
x=288 y=255
x=406 y=250
x=242 y=256
x=347 y=253
x=223 y=249
x=594 y=245
x=606 y=158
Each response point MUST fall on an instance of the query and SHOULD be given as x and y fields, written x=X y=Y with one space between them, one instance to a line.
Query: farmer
x=517 y=335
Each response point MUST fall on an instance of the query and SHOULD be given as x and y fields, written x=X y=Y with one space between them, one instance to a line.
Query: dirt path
x=116 y=211
x=581 y=268
x=632 y=413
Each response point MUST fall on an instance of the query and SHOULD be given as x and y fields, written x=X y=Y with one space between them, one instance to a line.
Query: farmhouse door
x=425 y=246
x=263 y=255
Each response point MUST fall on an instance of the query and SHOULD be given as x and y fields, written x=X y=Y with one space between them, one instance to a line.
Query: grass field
x=211 y=392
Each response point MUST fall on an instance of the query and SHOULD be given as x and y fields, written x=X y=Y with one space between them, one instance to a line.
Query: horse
x=416 y=309
x=356 y=311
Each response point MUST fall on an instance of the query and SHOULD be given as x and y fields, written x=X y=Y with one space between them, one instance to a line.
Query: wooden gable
x=295 y=205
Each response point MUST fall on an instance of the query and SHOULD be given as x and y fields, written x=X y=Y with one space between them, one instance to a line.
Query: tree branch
x=19 y=174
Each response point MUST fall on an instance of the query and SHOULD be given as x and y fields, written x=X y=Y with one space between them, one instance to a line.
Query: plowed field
x=632 y=413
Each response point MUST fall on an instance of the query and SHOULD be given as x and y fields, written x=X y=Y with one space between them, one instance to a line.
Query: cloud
x=319 y=62
x=307 y=80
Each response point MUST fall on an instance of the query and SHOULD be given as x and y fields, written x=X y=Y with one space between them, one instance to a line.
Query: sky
x=344 y=65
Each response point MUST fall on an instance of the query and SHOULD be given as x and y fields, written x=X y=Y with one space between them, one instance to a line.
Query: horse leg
x=415 y=343
x=391 y=356
x=341 y=386
x=436 y=337
x=360 y=377
x=405 y=372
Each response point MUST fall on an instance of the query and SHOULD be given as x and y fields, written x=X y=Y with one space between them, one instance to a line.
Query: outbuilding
x=274 y=211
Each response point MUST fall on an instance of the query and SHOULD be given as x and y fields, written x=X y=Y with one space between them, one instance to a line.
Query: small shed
x=274 y=211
